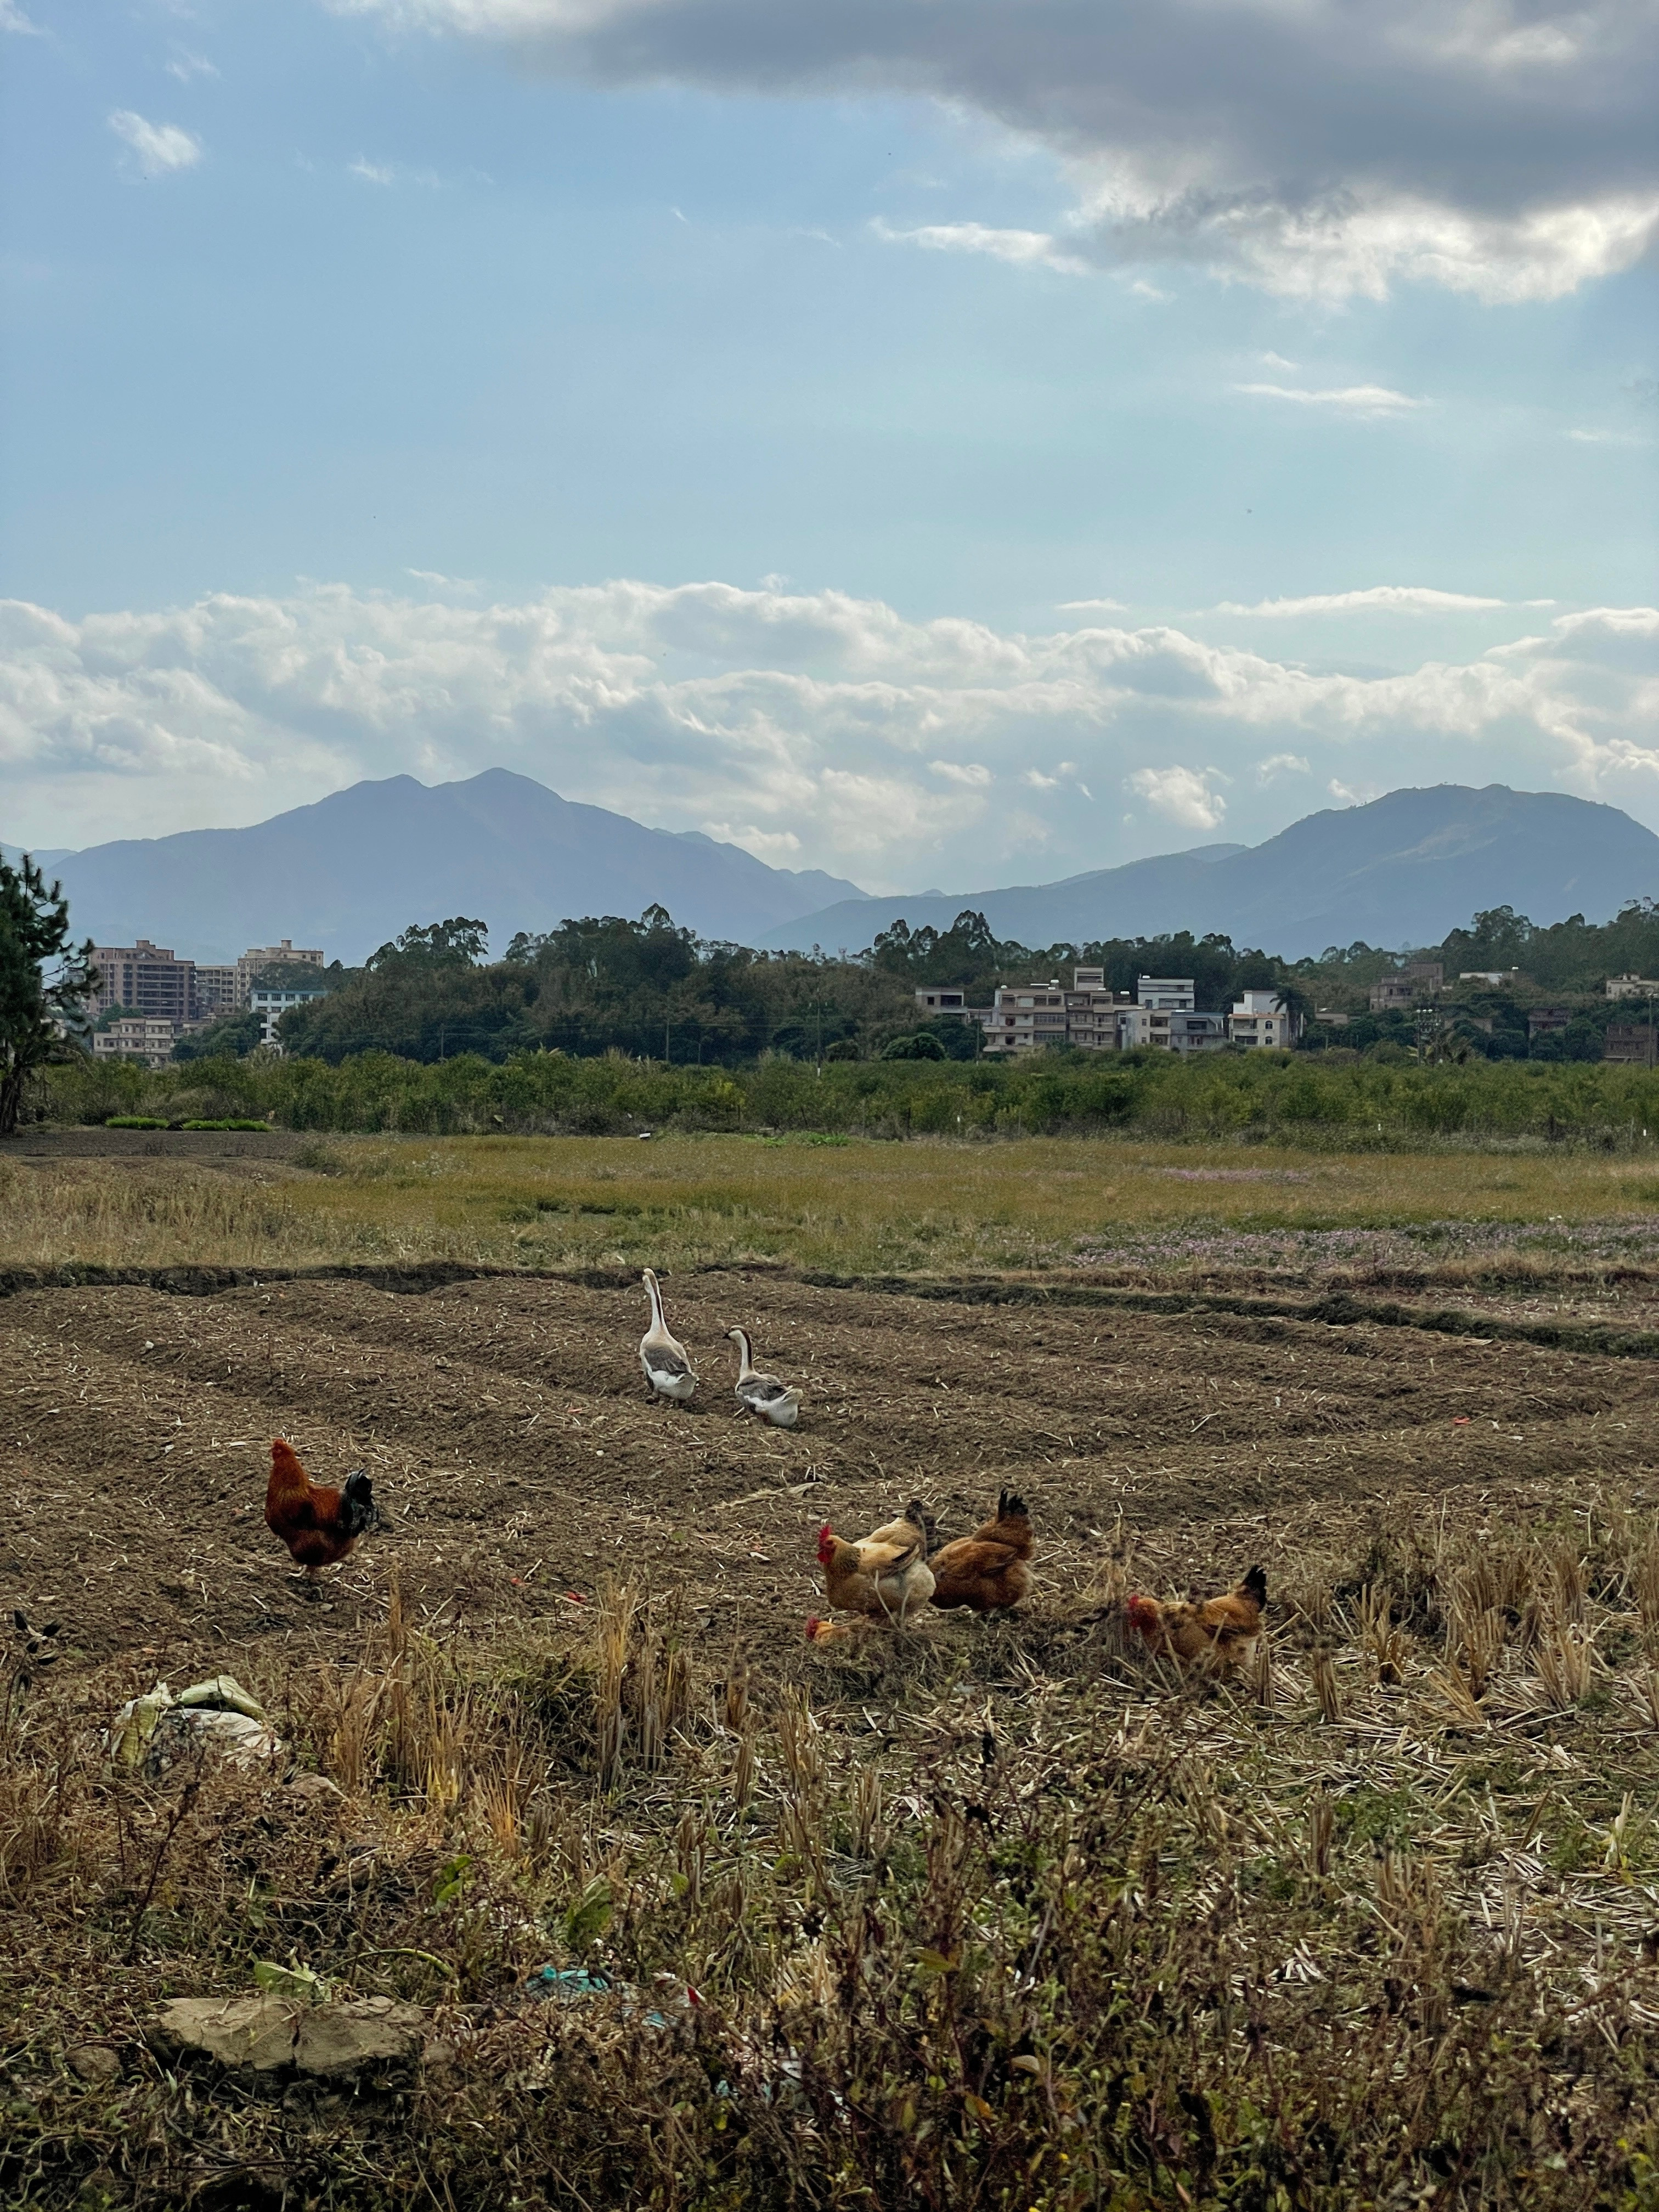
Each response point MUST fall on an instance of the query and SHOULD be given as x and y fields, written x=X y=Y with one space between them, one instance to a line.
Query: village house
x=1631 y=987
x=1261 y=1018
x=148 y=1037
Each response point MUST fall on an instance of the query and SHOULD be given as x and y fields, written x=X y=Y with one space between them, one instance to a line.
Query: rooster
x=1216 y=1633
x=885 y=1576
x=987 y=1571
x=318 y=1525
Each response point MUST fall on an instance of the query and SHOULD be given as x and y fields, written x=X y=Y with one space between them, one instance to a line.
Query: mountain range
x=351 y=871
x=1401 y=871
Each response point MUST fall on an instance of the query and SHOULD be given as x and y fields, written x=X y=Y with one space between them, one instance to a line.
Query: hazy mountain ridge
x=352 y=870
x=1402 y=870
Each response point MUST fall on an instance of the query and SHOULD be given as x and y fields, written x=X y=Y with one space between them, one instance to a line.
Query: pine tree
x=45 y=982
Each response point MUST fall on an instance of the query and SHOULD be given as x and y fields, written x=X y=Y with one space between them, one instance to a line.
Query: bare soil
x=519 y=1461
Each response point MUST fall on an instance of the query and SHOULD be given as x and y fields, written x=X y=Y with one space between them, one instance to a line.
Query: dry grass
x=997 y=1919
x=857 y=1206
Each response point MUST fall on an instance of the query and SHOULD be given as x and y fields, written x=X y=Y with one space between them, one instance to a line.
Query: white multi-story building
x=1631 y=987
x=1259 y=1017
x=270 y=1004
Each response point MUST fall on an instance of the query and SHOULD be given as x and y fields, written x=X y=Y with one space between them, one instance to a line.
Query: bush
x=923 y=1045
x=135 y=1122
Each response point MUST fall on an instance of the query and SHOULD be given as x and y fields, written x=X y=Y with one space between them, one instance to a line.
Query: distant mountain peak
x=350 y=871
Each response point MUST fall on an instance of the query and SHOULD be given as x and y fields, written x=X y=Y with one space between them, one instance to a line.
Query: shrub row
x=1152 y=1095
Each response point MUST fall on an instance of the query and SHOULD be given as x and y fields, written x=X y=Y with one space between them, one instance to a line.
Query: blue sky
x=729 y=413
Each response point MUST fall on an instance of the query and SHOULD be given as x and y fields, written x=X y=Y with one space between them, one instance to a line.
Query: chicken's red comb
x=813 y=1625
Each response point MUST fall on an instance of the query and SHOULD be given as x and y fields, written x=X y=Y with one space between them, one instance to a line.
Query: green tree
x=45 y=982
x=457 y=943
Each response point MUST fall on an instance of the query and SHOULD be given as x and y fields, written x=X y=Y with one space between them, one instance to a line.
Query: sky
x=948 y=446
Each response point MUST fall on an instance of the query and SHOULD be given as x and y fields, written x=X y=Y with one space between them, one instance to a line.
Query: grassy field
x=848 y=1206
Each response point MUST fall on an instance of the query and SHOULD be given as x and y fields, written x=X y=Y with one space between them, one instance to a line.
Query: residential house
x=148 y=1037
x=1631 y=987
x=1191 y=1031
x=1633 y=1042
x=1261 y=1018
x=1494 y=977
x=1547 y=1021
x=1393 y=994
x=1024 y=1016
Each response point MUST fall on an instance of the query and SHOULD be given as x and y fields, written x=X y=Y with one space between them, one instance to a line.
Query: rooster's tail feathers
x=359 y=1512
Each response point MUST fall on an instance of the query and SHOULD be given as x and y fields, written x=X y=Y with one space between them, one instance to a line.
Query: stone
x=274 y=2035
x=94 y=2062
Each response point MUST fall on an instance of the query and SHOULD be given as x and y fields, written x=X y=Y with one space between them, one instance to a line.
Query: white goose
x=666 y=1362
x=765 y=1394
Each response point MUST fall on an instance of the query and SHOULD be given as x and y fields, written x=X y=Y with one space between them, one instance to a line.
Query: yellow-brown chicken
x=885 y=1575
x=318 y=1524
x=1216 y=1633
x=987 y=1571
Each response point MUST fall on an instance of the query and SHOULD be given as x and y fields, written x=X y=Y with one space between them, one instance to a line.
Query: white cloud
x=880 y=747
x=1607 y=438
x=1091 y=607
x=185 y=66
x=1316 y=148
x=371 y=173
x=1389 y=599
x=1025 y=248
x=158 y=148
x=12 y=18
x=1370 y=401
x=1183 y=795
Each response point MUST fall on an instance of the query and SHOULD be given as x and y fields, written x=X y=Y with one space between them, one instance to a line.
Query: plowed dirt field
x=519 y=1461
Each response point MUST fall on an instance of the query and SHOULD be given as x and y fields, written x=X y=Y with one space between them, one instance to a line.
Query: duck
x=666 y=1362
x=774 y=1399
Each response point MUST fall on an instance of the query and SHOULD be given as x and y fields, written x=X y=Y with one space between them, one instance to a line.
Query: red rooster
x=317 y=1524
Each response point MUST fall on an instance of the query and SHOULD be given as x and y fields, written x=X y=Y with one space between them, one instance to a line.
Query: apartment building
x=257 y=957
x=1392 y=994
x=138 y=1036
x=144 y=978
x=1258 y=1018
x=151 y=980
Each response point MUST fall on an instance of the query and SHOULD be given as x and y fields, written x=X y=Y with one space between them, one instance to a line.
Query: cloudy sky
x=946 y=444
